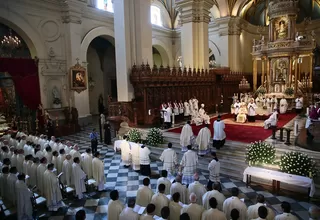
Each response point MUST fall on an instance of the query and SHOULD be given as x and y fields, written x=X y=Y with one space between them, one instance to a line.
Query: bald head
x=193 y=198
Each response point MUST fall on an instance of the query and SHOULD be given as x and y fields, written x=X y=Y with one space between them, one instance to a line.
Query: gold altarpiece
x=281 y=56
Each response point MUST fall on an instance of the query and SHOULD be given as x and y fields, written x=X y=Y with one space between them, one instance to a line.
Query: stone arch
x=223 y=7
x=104 y=32
x=215 y=50
x=29 y=34
x=238 y=6
x=164 y=51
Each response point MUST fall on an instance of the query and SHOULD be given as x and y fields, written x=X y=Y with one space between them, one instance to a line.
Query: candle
x=295 y=128
x=308 y=111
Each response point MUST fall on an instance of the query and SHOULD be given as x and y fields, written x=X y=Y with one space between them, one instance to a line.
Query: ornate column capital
x=234 y=26
x=194 y=11
x=72 y=11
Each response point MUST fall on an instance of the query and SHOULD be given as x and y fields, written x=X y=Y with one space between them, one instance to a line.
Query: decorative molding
x=46 y=26
x=52 y=67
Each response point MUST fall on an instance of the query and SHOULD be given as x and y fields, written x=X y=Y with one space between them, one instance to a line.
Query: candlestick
x=308 y=111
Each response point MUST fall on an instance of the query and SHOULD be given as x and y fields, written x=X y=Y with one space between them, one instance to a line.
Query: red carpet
x=245 y=134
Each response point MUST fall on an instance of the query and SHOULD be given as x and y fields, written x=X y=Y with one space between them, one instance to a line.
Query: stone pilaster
x=234 y=32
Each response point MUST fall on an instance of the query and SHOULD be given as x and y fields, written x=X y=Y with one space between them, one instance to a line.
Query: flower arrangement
x=289 y=91
x=134 y=135
x=298 y=163
x=261 y=91
x=56 y=101
x=154 y=137
x=260 y=153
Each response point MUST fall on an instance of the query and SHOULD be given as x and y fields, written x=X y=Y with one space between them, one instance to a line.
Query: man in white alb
x=236 y=106
x=115 y=207
x=299 y=104
x=252 y=111
x=144 y=193
x=213 y=213
x=67 y=170
x=86 y=162
x=78 y=178
x=220 y=198
x=219 y=135
x=186 y=109
x=235 y=203
x=272 y=120
x=169 y=159
x=286 y=215
x=98 y=171
x=197 y=188
x=188 y=165
x=214 y=169
x=23 y=195
x=181 y=189
x=193 y=209
x=283 y=105
x=203 y=115
x=167 y=116
x=160 y=200
x=128 y=213
x=164 y=180
x=253 y=209
x=135 y=155
x=186 y=136
x=203 y=140
x=125 y=152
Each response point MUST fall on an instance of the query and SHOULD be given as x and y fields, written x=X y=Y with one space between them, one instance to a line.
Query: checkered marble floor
x=127 y=182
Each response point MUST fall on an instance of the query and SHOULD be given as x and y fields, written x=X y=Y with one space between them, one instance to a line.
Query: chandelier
x=244 y=84
x=9 y=44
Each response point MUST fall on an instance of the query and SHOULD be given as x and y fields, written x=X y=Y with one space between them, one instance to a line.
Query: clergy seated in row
x=272 y=120
x=186 y=136
x=197 y=188
x=253 y=209
x=177 y=187
x=235 y=203
x=213 y=212
x=216 y=194
x=128 y=213
x=144 y=193
x=203 y=140
x=242 y=114
x=159 y=199
x=169 y=160
x=193 y=209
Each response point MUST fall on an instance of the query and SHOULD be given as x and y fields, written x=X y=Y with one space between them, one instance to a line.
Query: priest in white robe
x=66 y=178
x=220 y=198
x=20 y=160
x=78 y=177
x=60 y=159
x=75 y=152
x=236 y=106
x=40 y=175
x=219 y=135
x=269 y=105
x=175 y=206
x=144 y=193
x=197 y=188
x=235 y=203
x=125 y=152
x=193 y=209
x=135 y=155
x=191 y=106
x=48 y=154
x=252 y=111
x=188 y=165
x=160 y=200
x=149 y=212
x=203 y=140
x=283 y=105
x=181 y=189
x=167 y=116
x=98 y=171
x=169 y=159
x=186 y=109
x=299 y=104
x=86 y=163
x=33 y=172
x=23 y=195
x=128 y=213
x=286 y=215
x=11 y=181
x=272 y=120
x=274 y=102
x=14 y=158
x=52 y=191
x=3 y=182
x=54 y=160
x=186 y=136
x=164 y=180
x=253 y=209
x=203 y=115
x=115 y=207
x=213 y=213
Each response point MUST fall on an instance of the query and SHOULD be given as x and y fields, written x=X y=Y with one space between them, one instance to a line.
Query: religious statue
x=282 y=30
x=56 y=97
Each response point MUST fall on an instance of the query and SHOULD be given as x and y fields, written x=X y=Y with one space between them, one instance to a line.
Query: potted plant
x=289 y=91
x=155 y=137
x=56 y=103
x=261 y=154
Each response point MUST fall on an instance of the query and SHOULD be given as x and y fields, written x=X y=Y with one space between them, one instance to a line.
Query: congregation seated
x=253 y=210
x=272 y=120
x=286 y=215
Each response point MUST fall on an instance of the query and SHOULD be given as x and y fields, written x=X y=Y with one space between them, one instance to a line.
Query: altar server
x=193 y=209
x=86 y=163
x=191 y=106
x=236 y=106
x=220 y=198
x=144 y=193
x=299 y=104
x=272 y=120
x=253 y=209
x=67 y=171
x=52 y=191
x=115 y=207
x=145 y=168
x=188 y=165
x=286 y=215
x=60 y=159
x=213 y=213
x=235 y=203
x=197 y=188
x=78 y=177
x=125 y=152
x=169 y=159
x=181 y=189
x=186 y=136
x=283 y=105
x=128 y=213
x=219 y=135
x=11 y=181
x=252 y=111
x=160 y=200
x=203 y=140
x=175 y=108
x=135 y=155
x=40 y=175
x=23 y=195
x=175 y=206
x=164 y=180
x=98 y=171
x=167 y=115
x=186 y=109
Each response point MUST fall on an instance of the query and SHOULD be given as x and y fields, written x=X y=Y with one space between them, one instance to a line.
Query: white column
x=234 y=45
x=133 y=39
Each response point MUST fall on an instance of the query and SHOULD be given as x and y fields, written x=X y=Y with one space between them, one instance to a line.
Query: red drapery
x=24 y=74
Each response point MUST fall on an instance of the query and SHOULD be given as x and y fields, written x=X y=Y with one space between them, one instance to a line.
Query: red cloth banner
x=24 y=73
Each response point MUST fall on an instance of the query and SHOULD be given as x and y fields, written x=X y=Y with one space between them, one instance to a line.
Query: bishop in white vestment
x=203 y=140
x=203 y=115
x=283 y=106
x=169 y=159
x=86 y=162
x=78 y=178
x=186 y=136
x=98 y=171
x=23 y=195
x=52 y=191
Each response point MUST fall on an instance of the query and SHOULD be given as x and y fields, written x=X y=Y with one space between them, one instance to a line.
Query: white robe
x=253 y=212
x=194 y=211
x=186 y=135
x=33 y=174
x=167 y=114
x=114 y=209
x=213 y=214
x=198 y=189
x=218 y=130
x=54 y=161
x=11 y=180
x=274 y=102
x=176 y=108
x=252 y=109
x=78 y=179
x=283 y=106
x=24 y=205
x=98 y=173
x=40 y=178
x=48 y=155
x=52 y=191
x=189 y=163
x=144 y=196
x=204 y=116
x=169 y=159
x=191 y=106
x=135 y=155
x=166 y=182
x=203 y=139
x=128 y=214
x=86 y=164
x=182 y=190
x=181 y=110
x=271 y=121
x=3 y=185
x=186 y=109
x=217 y=195
x=236 y=106
x=235 y=203
x=299 y=103
x=67 y=172
x=286 y=216
x=160 y=201
x=60 y=160
x=125 y=152
x=175 y=210
x=20 y=160
x=74 y=153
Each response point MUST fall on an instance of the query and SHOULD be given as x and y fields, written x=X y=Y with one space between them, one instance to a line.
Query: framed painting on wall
x=78 y=78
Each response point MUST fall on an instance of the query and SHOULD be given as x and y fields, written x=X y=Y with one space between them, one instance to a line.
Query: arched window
x=106 y=5
x=156 y=16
